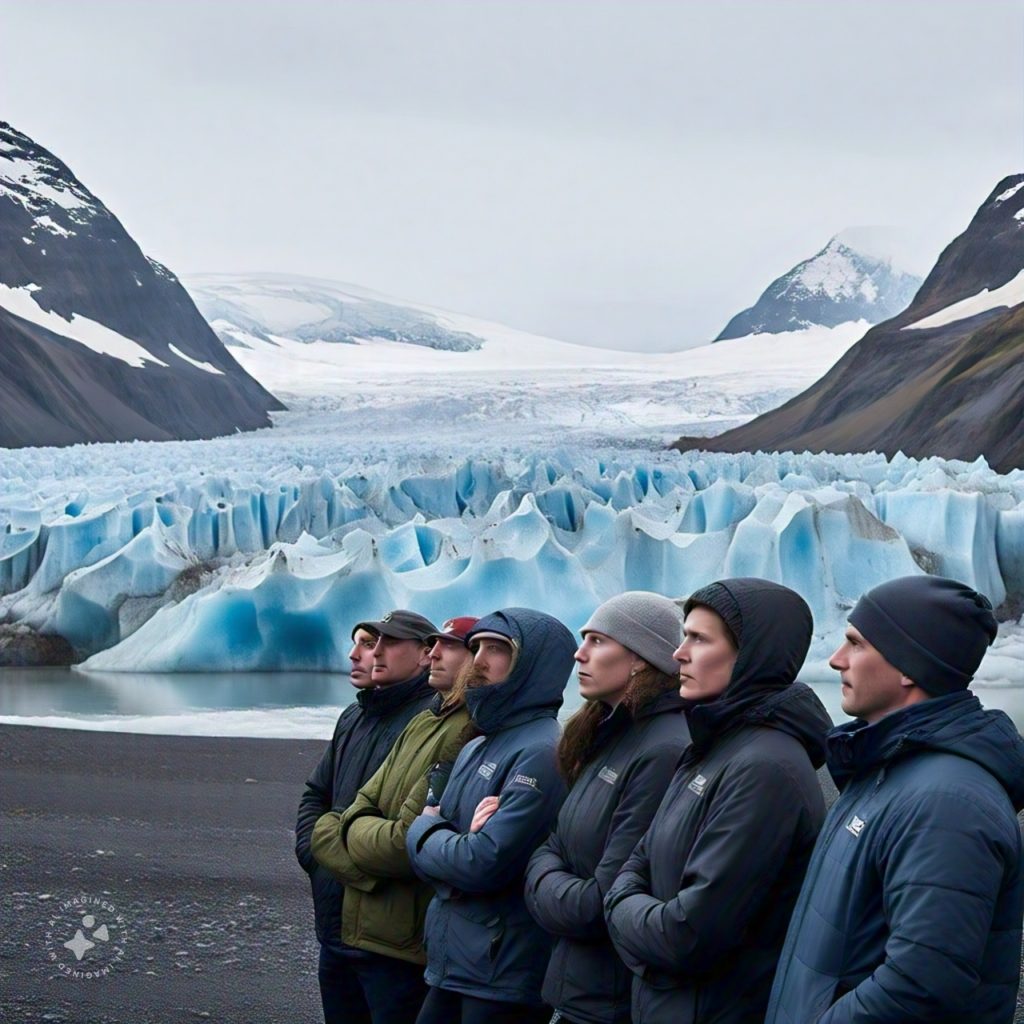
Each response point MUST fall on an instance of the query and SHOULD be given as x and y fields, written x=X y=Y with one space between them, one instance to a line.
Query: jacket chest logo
x=855 y=826
x=487 y=769
x=526 y=780
x=697 y=785
x=608 y=774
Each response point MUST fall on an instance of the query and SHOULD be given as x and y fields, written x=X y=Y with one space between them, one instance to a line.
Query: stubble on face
x=871 y=687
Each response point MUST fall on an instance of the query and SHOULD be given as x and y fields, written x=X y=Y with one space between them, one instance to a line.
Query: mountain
x=944 y=377
x=841 y=283
x=312 y=309
x=98 y=342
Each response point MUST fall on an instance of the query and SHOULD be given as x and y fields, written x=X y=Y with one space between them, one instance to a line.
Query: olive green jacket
x=364 y=846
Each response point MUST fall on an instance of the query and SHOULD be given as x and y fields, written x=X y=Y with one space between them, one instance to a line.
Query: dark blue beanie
x=934 y=630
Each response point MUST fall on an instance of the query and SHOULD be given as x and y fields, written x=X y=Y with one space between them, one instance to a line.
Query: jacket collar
x=382 y=700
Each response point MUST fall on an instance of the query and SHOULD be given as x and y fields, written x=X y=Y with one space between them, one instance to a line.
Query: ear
x=636 y=666
x=424 y=661
x=906 y=682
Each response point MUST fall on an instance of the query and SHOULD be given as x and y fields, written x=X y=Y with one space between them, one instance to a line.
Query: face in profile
x=706 y=656
x=872 y=688
x=361 y=656
x=492 y=661
x=447 y=659
x=604 y=667
x=394 y=660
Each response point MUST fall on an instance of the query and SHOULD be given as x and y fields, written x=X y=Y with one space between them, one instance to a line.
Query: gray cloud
x=613 y=173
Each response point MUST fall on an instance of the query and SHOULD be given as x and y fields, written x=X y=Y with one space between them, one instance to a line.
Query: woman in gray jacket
x=618 y=753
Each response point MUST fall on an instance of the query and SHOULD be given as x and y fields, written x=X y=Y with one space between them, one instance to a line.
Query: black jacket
x=606 y=813
x=365 y=733
x=911 y=910
x=699 y=911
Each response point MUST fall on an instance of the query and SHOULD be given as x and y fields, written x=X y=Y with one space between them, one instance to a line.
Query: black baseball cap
x=400 y=624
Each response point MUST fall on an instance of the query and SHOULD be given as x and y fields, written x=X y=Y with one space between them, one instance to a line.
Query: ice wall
x=241 y=568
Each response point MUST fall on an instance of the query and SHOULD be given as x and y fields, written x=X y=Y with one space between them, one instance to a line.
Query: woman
x=699 y=911
x=618 y=753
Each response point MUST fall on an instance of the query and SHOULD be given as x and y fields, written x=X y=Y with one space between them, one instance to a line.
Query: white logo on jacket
x=608 y=774
x=526 y=780
x=697 y=784
x=855 y=826
x=487 y=769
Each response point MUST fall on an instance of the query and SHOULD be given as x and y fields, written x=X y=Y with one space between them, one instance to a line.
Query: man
x=390 y=661
x=911 y=908
x=364 y=846
x=485 y=956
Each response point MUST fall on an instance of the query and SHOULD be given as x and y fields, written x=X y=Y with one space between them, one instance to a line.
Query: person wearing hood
x=485 y=955
x=911 y=909
x=699 y=911
x=618 y=753
x=363 y=846
x=390 y=663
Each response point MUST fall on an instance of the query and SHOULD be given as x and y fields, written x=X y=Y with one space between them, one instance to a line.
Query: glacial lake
x=293 y=705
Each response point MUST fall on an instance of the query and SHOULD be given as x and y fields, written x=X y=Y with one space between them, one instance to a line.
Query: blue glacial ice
x=264 y=558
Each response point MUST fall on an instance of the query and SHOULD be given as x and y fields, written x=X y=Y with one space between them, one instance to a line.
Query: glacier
x=260 y=554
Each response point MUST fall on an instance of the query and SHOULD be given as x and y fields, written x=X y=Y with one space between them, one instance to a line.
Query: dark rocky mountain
x=838 y=284
x=944 y=377
x=98 y=342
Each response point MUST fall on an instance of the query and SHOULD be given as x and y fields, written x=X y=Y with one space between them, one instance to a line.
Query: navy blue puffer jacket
x=911 y=908
x=479 y=937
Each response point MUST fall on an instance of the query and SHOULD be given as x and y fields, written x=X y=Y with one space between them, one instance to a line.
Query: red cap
x=455 y=629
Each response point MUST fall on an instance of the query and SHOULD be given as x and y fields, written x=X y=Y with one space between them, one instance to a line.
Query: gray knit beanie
x=646 y=624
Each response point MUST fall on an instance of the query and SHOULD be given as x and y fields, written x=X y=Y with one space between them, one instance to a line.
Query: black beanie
x=934 y=630
x=719 y=599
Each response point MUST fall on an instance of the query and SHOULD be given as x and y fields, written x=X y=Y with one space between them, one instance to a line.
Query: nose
x=580 y=655
x=434 y=654
x=839 y=661
x=680 y=653
x=378 y=647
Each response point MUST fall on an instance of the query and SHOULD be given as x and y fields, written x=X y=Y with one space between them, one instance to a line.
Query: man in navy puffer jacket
x=485 y=955
x=911 y=907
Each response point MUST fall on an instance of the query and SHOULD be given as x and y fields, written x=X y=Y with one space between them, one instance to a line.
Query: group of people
x=667 y=857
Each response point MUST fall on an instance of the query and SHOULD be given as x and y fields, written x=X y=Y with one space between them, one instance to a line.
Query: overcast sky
x=627 y=174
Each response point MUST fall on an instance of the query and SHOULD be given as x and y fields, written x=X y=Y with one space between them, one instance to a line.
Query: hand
x=437 y=779
x=432 y=810
x=483 y=812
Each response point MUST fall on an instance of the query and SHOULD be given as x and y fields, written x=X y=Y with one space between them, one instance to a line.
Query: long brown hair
x=575 y=749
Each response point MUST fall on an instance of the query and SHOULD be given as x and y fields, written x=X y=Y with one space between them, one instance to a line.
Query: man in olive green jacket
x=364 y=846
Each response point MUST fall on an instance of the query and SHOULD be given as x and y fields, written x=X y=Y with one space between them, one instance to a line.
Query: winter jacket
x=699 y=911
x=364 y=846
x=480 y=939
x=912 y=906
x=604 y=816
x=362 y=738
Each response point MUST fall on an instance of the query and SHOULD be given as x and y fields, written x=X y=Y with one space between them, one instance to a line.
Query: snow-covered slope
x=97 y=342
x=510 y=381
x=845 y=281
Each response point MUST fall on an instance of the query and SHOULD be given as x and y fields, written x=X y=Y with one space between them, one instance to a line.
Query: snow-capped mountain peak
x=842 y=282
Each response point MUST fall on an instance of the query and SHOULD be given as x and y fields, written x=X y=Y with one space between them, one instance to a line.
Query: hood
x=954 y=724
x=775 y=634
x=541 y=670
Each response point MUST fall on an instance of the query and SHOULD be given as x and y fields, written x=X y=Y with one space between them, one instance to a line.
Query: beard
x=473 y=679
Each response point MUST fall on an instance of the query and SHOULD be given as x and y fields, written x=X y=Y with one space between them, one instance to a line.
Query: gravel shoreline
x=189 y=840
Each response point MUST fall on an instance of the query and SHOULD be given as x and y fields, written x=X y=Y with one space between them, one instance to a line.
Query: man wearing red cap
x=364 y=846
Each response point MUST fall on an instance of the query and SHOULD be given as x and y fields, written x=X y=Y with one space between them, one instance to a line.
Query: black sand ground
x=196 y=859
x=189 y=839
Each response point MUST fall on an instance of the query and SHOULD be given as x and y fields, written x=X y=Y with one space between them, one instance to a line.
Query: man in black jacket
x=390 y=669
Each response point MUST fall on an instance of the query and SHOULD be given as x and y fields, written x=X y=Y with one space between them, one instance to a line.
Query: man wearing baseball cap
x=390 y=670
x=912 y=904
x=364 y=846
